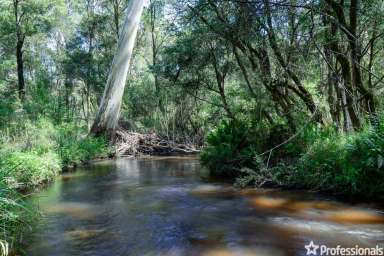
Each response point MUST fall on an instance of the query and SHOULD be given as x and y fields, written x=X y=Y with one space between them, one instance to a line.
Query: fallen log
x=134 y=144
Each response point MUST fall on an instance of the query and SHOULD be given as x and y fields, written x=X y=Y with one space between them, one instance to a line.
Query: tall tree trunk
x=155 y=49
x=350 y=31
x=19 y=49
x=301 y=91
x=116 y=18
x=356 y=60
x=20 y=67
x=109 y=111
x=347 y=90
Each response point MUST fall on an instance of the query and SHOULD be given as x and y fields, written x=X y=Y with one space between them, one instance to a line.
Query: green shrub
x=28 y=169
x=28 y=155
x=32 y=153
x=321 y=164
x=38 y=136
x=352 y=163
x=15 y=213
x=230 y=148
x=317 y=158
x=364 y=162
x=74 y=147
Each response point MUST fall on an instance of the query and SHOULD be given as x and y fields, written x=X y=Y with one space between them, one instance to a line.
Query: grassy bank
x=313 y=158
x=31 y=154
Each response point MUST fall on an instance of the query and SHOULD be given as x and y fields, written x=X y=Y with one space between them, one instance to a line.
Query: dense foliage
x=352 y=164
x=317 y=158
x=284 y=93
x=31 y=154
x=230 y=147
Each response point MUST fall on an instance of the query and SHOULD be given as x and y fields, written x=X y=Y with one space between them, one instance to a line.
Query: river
x=169 y=206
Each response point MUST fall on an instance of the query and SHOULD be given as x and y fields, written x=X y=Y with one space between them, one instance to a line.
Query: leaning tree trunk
x=109 y=110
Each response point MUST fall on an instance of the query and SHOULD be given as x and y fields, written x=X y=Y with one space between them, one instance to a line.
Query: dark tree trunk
x=350 y=31
x=220 y=79
x=116 y=18
x=19 y=49
x=20 y=67
x=155 y=50
x=301 y=91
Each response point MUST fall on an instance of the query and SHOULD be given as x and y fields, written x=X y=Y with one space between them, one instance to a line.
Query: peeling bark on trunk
x=109 y=111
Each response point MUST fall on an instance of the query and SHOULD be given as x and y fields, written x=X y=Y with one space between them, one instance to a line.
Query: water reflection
x=162 y=206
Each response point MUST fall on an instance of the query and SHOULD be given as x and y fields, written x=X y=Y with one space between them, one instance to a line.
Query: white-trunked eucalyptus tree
x=107 y=117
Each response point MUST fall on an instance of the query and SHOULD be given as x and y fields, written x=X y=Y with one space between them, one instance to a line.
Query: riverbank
x=320 y=159
x=32 y=155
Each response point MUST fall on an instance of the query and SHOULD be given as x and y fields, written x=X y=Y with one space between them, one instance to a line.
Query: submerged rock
x=74 y=210
x=82 y=234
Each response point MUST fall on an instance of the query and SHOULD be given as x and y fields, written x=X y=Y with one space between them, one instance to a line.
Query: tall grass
x=33 y=153
x=15 y=214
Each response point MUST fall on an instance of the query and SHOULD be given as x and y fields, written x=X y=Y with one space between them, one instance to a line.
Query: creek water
x=168 y=206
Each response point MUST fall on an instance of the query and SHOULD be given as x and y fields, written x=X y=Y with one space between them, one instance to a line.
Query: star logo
x=311 y=248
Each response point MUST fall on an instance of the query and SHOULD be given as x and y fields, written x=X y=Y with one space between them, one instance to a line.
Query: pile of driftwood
x=133 y=144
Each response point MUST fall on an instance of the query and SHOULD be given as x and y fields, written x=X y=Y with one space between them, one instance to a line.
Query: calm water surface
x=164 y=206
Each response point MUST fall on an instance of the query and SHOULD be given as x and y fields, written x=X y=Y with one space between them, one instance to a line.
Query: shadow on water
x=163 y=206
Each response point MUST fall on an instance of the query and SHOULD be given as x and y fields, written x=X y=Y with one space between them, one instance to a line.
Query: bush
x=32 y=153
x=320 y=164
x=317 y=158
x=363 y=167
x=230 y=148
x=15 y=213
x=28 y=155
x=28 y=169
x=74 y=148
x=352 y=163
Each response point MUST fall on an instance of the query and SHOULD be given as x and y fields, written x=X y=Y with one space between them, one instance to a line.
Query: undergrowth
x=317 y=158
x=33 y=153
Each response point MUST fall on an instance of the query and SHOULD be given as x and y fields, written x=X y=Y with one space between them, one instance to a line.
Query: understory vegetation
x=316 y=158
x=33 y=153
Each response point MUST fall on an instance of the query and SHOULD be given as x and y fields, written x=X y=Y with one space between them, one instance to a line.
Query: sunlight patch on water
x=289 y=205
x=270 y=203
x=331 y=232
x=351 y=216
x=173 y=190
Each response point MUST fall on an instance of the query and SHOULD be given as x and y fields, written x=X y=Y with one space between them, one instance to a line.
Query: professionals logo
x=315 y=250
x=311 y=248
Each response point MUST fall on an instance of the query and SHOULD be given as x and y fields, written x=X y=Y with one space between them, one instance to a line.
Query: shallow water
x=166 y=206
